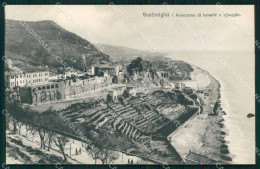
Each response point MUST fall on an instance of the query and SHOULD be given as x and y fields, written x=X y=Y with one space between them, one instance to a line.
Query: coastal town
x=143 y=114
x=90 y=107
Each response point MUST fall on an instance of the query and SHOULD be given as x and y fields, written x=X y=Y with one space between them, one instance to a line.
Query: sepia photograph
x=130 y=84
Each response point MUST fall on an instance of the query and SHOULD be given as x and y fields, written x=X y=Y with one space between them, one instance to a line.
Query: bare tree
x=107 y=156
x=93 y=151
x=19 y=125
x=32 y=131
x=60 y=141
x=14 y=125
x=27 y=128
x=102 y=153
x=42 y=132
x=49 y=139
x=7 y=120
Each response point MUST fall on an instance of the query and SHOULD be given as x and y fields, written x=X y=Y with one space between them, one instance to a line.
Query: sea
x=237 y=98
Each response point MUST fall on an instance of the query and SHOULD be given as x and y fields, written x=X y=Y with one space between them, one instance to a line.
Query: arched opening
x=43 y=87
x=43 y=97
x=56 y=86
x=34 y=98
x=52 y=86
x=39 y=88
x=48 y=87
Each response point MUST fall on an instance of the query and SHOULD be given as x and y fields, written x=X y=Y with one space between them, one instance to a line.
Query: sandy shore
x=204 y=133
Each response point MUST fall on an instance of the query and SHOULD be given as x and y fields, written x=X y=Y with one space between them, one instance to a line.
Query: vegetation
x=56 y=48
x=102 y=152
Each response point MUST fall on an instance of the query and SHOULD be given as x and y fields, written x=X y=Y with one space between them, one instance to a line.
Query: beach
x=204 y=133
x=237 y=101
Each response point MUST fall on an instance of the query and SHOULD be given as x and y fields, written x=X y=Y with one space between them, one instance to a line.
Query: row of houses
x=22 y=79
x=44 y=86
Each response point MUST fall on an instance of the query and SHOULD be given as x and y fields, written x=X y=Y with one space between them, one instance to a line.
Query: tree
x=42 y=132
x=135 y=65
x=33 y=131
x=107 y=156
x=8 y=120
x=93 y=151
x=60 y=142
x=14 y=125
x=102 y=153
x=27 y=128
x=19 y=125
x=126 y=94
x=50 y=135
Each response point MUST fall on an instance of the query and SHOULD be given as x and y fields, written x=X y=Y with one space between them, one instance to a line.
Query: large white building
x=23 y=79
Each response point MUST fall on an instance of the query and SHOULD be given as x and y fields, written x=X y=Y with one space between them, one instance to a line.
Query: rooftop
x=22 y=72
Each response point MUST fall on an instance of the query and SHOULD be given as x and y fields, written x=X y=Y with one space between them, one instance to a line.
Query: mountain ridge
x=67 y=45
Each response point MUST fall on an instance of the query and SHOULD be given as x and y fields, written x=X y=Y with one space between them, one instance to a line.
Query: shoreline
x=209 y=139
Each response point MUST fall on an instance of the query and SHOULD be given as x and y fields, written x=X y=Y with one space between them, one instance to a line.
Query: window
x=17 y=76
x=21 y=76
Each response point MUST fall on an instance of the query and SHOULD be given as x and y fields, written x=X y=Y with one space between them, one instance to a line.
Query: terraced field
x=141 y=119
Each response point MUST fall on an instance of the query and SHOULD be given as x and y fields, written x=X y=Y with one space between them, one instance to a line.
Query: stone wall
x=42 y=93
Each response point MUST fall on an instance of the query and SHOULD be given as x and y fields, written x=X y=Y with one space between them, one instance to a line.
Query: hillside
x=143 y=73
x=178 y=69
x=26 y=51
x=125 y=54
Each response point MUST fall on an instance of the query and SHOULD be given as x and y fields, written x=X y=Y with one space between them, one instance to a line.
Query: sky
x=126 y=26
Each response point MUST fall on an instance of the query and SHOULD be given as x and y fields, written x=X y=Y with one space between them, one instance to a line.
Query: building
x=68 y=73
x=179 y=86
x=112 y=95
x=24 y=79
x=42 y=93
x=110 y=70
